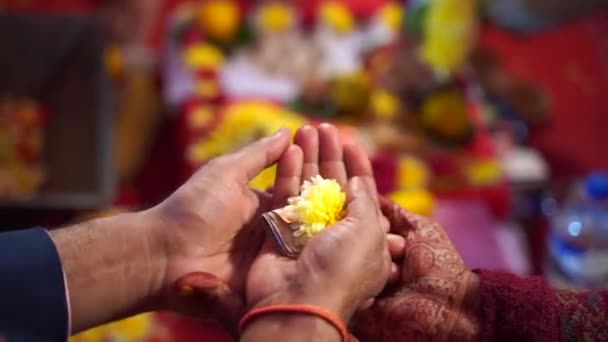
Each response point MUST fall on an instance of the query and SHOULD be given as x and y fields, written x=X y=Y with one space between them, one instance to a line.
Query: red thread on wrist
x=305 y=309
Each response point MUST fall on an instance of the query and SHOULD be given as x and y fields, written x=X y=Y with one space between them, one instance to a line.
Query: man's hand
x=344 y=266
x=320 y=151
x=436 y=297
x=208 y=230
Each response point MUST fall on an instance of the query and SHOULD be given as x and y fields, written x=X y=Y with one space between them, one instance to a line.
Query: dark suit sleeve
x=33 y=302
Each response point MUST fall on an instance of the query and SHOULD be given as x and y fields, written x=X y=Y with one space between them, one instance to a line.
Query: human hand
x=436 y=297
x=343 y=266
x=208 y=231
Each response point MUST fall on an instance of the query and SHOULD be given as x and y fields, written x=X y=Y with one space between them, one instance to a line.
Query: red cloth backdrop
x=571 y=65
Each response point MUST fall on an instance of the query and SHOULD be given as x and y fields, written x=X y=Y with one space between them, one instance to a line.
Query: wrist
x=470 y=304
x=334 y=302
x=299 y=327
x=467 y=326
x=112 y=267
x=151 y=239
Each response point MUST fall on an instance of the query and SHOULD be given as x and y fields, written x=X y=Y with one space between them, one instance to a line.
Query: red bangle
x=312 y=310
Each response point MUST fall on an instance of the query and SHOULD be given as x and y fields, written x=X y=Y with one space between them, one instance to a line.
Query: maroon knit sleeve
x=528 y=309
x=512 y=308
x=583 y=315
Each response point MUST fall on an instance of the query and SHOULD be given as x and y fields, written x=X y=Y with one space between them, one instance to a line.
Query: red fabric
x=385 y=172
x=583 y=316
x=513 y=308
x=517 y=309
x=570 y=63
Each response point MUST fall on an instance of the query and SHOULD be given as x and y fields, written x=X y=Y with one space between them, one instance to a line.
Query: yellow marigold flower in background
x=449 y=32
x=484 y=172
x=275 y=17
x=337 y=16
x=203 y=56
x=412 y=173
x=319 y=205
x=131 y=329
x=384 y=104
x=242 y=123
x=445 y=113
x=351 y=92
x=418 y=201
x=264 y=179
x=391 y=15
x=219 y=19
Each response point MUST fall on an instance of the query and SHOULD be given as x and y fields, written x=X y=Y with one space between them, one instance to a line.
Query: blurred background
x=487 y=115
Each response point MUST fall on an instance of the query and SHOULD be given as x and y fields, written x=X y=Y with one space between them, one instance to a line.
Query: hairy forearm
x=290 y=327
x=113 y=268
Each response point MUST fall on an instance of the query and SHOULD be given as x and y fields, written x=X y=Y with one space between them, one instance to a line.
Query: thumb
x=249 y=161
x=360 y=199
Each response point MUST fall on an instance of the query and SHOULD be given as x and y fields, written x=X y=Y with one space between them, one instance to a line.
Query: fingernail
x=326 y=124
x=278 y=133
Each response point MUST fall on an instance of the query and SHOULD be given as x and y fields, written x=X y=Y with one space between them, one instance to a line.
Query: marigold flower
x=319 y=205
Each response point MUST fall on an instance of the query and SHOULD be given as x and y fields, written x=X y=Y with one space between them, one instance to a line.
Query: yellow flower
x=219 y=19
x=337 y=16
x=203 y=56
x=418 y=201
x=449 y=34
x=484 y=172
x=391 y=15
x=384 y=104
x=445 y=113
x=242 y=123
x=351 y=92
x=412 y=173
x=275 y=17
x=264 y=179
x=319 y=205
x=131 y=329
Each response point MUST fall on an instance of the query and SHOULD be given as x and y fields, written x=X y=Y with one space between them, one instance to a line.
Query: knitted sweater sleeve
x=528 y=309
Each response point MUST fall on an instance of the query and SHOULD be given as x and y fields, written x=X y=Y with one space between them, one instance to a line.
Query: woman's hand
x=436 y=297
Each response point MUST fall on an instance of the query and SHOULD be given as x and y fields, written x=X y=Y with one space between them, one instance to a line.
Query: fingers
x=398 y=217
x=289 y=171
x=331 y=162
x=358 y=165
x=396 y=246
x=307 y=138
x=250 y=160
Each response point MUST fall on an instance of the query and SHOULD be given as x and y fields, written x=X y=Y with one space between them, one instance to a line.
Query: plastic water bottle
x=578 y=241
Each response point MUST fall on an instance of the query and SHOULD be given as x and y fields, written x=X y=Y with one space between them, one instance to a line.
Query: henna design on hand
x=435 y=300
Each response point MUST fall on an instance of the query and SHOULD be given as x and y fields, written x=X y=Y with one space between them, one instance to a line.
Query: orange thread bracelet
x=312 y=310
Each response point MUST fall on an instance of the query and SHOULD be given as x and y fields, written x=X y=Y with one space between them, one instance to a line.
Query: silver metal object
x=283 y=232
